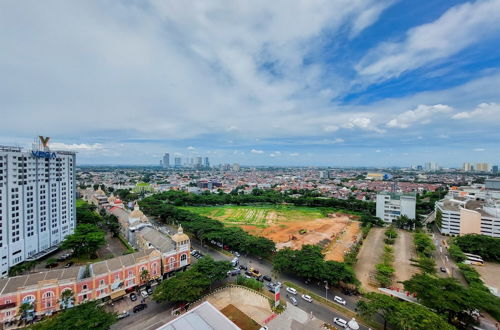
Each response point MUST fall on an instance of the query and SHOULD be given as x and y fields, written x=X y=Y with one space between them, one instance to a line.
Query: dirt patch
x=489 y=274
x=404 y=250
x=368 y=257
x=239 y=318
x=343 y=242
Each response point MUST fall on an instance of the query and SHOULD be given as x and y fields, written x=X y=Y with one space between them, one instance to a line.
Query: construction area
x=291 y=226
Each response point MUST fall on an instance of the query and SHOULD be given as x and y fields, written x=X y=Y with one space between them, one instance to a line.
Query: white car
x=291 y=290
x=144 y=294
x=307 y=298
x=339 y=300
x=339 y=321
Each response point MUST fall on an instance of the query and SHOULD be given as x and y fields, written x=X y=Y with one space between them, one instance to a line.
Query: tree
x=428 y=265
x=401 y=315
x=444 y=295
x=144 y=275
x=86 y=240
x=214 y=270
x=184 y=287
x=26 y=310
x=456 y=253
x=84 y=316
x=485 y=246
x=67 y=299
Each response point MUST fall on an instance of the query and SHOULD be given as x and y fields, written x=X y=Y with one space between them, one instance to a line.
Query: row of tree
x=401 y=315
x=190 y=285
x=485 y=246
x=207 y=229
x=309 y=263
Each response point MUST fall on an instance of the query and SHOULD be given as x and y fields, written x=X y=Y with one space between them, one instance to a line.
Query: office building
x=207 y=162
x=166 y=160
x=494 y=169
x=235 y=167
x=471 y=210
x=483 y=167
x=467 y=167
x=392 y=205
x=37 y=202
x=199 y=162
x=432 y=167
x=177 y=162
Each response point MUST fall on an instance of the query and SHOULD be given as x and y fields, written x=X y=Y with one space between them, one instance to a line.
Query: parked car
x=267 y=278
x=139 y=307
x=293 y=301
x=144 y=294
x=133 y=296
x=443 y=269
x=194 y=252
x=236 y=254
x=291 y=290
x=123 y=315
x=69 y=264
x=51 y=265
x=149 y=290
x=307 y=298
x=243 y=267
x=339 y=300
x=339 y=321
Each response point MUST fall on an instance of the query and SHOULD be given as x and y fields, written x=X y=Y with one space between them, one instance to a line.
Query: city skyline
x=363 y=83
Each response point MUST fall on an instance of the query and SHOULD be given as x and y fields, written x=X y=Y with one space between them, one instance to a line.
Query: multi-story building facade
x=50 y=291
x=470 y=210
x=392 y=205
x=37 y=202
x=166 y=160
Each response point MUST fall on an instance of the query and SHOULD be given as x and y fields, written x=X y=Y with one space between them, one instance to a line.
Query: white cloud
x=484 y=111
x=479 y=149
x=275 y=154
x=330 y=128
x=191 y=148
x=422 y=114
x=257 y=152
x=363 y=123
x=294 y=154
x=76 y=147
x=378 y=150
x=458 y=28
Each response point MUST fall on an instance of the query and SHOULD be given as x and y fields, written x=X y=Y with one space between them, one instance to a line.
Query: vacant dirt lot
x=290 y=226
x=369 y=256
x=490 y=274
x=404 y=250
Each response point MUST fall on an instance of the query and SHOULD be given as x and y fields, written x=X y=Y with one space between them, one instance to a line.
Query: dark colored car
x=267 y=278
x=149 y=290
x=248 y=273
x=133 y=296
x=69 y=264
x=443 y=269
x=139 y=307
x=51 y=265
x=243 y=267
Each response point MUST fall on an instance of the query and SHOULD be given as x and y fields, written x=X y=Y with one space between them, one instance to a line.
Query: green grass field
x=260 y=216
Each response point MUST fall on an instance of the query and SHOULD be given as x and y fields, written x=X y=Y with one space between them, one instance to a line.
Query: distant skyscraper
x=177 y=162
x=494 y=169
x=431 y=166
x=198 y=161
x=207 y=163
x=236 y=167
x=166 y=160
x=483 y=167
x=467 y=167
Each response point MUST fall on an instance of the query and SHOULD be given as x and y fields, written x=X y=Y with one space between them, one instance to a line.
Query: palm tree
x=66 y=299
x=25 y=309
x=144 y=275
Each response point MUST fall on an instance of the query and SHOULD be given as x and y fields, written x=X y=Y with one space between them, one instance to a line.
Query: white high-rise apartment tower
x=37 y=202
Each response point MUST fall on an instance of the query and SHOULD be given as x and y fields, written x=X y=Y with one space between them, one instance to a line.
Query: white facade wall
x=389 y=208
x=37 y=203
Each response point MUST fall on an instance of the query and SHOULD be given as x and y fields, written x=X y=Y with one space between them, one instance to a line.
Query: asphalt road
x=443 y=258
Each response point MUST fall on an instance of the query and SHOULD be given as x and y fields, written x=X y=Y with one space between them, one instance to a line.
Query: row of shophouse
x=44 y=293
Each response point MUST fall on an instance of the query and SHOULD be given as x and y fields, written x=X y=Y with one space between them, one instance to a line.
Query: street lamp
x=326 y=289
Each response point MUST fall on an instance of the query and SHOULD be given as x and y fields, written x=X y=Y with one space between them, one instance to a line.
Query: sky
x=283 y=82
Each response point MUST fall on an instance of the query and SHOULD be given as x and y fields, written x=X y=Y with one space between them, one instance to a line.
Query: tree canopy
x=485 y=246
x=401 y=315
x=189 y=285
x=84 y=316
x=86 y=240
x=308 y=262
